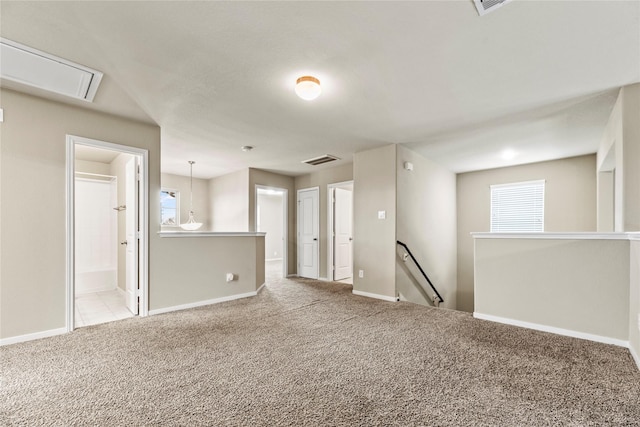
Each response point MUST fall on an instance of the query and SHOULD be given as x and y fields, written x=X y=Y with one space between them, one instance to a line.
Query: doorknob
x=315 y=239
x=123 y=243
x=351 y=239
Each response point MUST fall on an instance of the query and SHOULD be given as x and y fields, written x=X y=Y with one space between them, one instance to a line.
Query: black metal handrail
x=421 y=270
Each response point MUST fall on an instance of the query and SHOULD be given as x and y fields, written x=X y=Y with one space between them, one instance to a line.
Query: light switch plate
x=382 y=214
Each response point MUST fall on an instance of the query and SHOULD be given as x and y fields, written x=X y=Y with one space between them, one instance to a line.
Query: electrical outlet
x=361 y=273
x=230 y=277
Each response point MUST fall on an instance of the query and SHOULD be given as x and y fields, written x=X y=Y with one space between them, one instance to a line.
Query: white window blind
x=517 y=207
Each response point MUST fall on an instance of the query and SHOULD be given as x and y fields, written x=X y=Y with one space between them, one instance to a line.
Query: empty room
x=320 y=213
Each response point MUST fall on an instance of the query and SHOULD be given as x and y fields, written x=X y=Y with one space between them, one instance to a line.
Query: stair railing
x=436 y=297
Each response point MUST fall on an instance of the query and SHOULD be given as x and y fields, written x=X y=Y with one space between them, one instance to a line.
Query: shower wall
x=96 y=235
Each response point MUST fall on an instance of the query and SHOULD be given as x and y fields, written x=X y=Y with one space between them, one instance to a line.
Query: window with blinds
x=517 y=207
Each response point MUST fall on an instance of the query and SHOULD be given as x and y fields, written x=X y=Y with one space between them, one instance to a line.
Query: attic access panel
x=25 y=65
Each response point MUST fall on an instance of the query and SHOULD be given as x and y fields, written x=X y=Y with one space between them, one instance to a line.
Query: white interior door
x=343 y=234
x=131 y=297
x=308 y=233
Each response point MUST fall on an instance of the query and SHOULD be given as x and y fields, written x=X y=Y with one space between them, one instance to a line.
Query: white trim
x=635 y=355
x=143 y=266
x=209 y=234
x=70 y=174
x=33 y=336
x=292 y=275
x=260 y=288
x=557 y=236
x=202 y=303
x=553 y=330
x=376 y=296
x=324 y=279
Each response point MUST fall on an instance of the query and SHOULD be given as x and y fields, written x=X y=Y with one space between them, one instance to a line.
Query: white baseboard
x=272 y=259
x=201 y=303
x=376 y=296
x=635 y=356
x=324 y=279
x=34 y=336
x=260 y=288
x=292 y=275
x=553 y=330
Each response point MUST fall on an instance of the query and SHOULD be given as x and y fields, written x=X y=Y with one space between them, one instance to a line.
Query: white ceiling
x=536 y=77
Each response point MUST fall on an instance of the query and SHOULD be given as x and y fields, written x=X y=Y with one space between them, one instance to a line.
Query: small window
x=170 y=207
x=517 y=207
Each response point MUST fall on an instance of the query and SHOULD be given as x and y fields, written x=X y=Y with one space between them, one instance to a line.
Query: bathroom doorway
x=106 y=256
x=271 y=218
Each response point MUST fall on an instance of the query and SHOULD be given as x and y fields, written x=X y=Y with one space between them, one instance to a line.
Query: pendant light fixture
x=191 y=224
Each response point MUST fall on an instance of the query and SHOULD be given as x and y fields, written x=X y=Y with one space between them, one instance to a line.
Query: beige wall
x=632 y=204
x=570 y=205
x=374 y=244
x=32 y=278
x=270 y=179
x=191 y=270
x=577 y=285
x=631 y=156
x=620 y=149
x=201 y=202
x=426 y=222
x=229 y=201
x=322 y=179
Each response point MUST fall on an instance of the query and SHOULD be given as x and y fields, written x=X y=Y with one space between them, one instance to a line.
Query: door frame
x=143 y=221
x=285 y=222
x=298 y=219
x=330 y=221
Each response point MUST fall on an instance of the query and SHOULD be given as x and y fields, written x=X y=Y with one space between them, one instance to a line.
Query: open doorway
x=106 y=256
x=340 y=232
x=271 y=218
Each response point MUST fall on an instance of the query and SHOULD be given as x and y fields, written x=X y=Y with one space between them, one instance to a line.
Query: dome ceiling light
x=308 y=88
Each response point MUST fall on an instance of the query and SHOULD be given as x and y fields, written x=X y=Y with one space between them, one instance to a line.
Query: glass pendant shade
x=191 y=224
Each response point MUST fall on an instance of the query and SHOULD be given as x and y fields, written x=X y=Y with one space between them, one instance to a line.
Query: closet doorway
x=106 y=257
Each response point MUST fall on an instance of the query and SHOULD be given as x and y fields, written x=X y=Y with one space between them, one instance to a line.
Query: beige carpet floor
x=307 y=353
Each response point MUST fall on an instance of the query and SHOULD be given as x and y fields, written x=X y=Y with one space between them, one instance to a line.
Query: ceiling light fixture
x=308 y=88
x=191 y=224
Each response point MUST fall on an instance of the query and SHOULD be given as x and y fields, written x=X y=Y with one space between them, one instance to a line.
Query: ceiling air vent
x=320 y=160
x=31 y=67
x=486 y=6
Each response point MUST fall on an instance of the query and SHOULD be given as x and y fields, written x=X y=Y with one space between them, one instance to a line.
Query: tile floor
x=100 y=307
